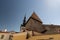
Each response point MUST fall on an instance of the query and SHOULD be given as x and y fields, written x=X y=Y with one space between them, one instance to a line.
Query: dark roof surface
x=34 y=17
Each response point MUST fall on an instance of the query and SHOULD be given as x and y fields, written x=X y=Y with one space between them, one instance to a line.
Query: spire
x=24 y=20
x=34 y=16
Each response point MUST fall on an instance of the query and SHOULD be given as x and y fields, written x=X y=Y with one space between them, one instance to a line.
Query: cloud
x=53 y=3
x=53 y=6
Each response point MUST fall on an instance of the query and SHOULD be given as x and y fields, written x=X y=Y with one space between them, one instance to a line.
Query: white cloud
x=53 y=3
x=53 y=6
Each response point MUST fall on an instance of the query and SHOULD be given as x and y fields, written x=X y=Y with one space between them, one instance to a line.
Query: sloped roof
x=35 y=17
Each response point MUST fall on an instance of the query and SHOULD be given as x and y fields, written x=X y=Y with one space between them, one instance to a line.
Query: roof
x=34 y=15
x=48 y=25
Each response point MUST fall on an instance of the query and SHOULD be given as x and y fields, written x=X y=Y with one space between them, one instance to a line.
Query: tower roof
x=34 y=16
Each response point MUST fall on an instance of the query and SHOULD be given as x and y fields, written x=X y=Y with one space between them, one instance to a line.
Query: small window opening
x=2 y=36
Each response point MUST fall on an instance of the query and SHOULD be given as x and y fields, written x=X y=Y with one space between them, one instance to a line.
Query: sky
x=12 y=12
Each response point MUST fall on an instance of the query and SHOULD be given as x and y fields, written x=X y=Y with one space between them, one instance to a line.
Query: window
x=2 y=36
x=10 y=37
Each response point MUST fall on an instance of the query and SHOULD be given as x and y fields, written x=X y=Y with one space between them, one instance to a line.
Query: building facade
x=33 y=29
x=34 y=23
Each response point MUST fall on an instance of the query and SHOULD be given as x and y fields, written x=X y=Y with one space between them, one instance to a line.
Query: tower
x=24 y=21
x=22 y=28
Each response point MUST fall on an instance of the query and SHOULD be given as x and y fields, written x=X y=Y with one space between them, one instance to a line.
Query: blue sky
x=13 y=11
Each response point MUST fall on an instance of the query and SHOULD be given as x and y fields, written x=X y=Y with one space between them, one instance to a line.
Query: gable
x=34 y=17
x=34 y=25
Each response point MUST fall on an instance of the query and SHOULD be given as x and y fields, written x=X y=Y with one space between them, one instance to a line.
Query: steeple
x=24 y=21
x=22 y=28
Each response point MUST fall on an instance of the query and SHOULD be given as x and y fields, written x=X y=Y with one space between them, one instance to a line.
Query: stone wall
x=34 y=25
